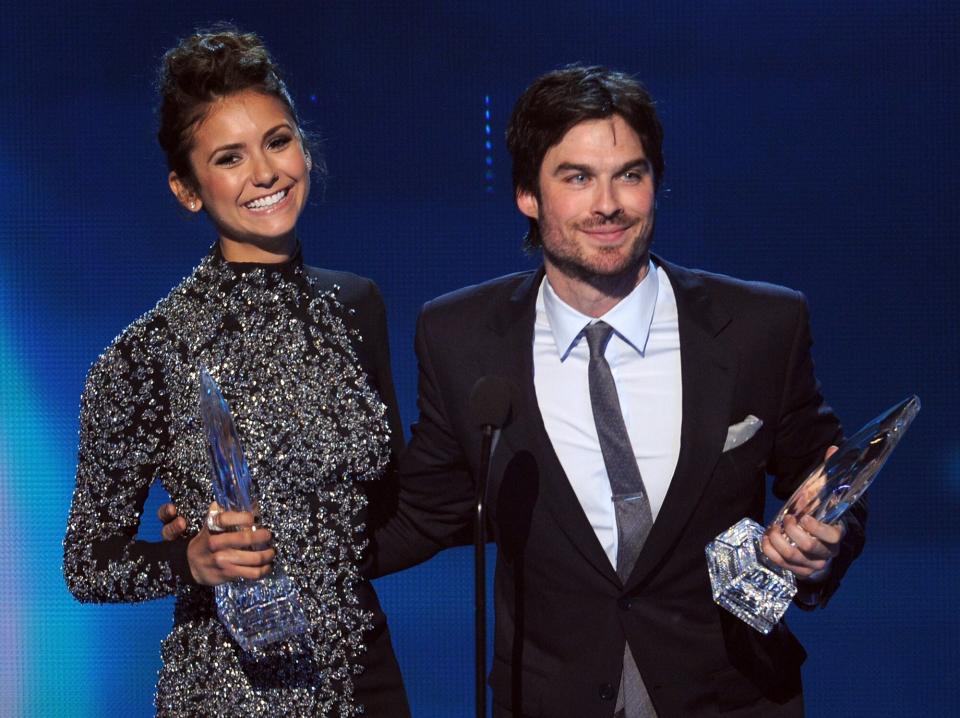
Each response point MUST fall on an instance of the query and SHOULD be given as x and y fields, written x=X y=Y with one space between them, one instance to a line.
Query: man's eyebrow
x=572 y=167
x=634 y=164
x=587 y=170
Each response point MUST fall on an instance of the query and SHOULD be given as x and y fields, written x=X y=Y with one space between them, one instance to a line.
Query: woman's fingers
x=246 y=539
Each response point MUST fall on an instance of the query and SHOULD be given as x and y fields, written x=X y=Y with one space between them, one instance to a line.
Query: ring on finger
x=787 y=538
x=213 y=525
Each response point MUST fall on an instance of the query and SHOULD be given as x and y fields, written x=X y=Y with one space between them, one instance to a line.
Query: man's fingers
x=174 y=529
x=827 y=533
x=806 y=545
x=784 y=551
x=166 y=512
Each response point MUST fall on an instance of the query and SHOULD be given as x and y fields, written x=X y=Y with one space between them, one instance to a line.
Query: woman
x=301 y=356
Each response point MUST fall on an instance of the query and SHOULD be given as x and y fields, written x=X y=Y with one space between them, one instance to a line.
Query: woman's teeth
x=268 y=201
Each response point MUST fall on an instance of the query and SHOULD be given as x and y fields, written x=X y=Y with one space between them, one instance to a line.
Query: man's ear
x=528 y=204
x=185 y=196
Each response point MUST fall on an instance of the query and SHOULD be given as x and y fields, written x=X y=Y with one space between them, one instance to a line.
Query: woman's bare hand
x=237 y=549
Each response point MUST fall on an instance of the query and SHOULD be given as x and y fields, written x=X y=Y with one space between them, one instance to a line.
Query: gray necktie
x=630 y=502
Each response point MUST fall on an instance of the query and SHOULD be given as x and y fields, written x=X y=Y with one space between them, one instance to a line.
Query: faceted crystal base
x=257 y=613
x=744 y=582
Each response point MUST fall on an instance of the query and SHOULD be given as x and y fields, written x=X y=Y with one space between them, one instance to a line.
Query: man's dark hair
x=557 y=101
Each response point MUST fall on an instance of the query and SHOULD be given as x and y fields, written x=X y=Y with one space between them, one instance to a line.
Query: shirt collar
x=630 y=318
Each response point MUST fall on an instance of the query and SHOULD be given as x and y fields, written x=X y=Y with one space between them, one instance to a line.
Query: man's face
x=595 y=208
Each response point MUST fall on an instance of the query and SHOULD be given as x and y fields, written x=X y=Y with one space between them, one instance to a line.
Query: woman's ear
x=185 y=196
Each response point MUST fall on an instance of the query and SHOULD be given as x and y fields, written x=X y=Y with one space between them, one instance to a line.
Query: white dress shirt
x=644 y=357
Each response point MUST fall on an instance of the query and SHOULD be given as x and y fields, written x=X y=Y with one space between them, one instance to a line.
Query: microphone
x=490 y=402
x=489 y=406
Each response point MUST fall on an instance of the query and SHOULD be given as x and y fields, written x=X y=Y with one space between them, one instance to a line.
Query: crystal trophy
x=744 y=580
x=256 y=613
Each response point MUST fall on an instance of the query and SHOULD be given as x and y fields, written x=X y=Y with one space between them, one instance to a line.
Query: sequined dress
x=284 y=349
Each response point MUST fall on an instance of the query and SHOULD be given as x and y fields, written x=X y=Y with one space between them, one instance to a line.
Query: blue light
x=488 y=145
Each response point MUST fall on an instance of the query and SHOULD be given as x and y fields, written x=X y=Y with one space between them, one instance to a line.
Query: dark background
x=809 y=144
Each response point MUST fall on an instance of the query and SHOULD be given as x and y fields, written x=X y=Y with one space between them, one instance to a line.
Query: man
x=597 y=612
x=602 y=597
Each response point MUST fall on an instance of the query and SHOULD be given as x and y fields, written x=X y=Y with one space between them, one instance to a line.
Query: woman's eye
x=227 y=160
x=278 y=143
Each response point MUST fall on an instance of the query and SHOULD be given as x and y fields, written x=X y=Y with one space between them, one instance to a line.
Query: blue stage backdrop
x=810 y=144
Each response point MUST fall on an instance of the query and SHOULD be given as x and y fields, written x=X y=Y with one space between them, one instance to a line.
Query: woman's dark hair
x=557 y=101
x=204 y=67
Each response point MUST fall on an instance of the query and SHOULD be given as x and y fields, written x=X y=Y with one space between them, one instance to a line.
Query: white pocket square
x=740 y=433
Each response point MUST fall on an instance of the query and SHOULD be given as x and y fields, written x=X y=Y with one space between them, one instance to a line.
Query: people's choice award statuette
x=256 y=613
x=744 y=580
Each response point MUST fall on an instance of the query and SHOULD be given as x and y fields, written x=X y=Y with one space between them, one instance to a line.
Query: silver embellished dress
x=284 y=349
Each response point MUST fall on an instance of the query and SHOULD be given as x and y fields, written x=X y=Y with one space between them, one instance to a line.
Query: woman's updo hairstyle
x=203 y=68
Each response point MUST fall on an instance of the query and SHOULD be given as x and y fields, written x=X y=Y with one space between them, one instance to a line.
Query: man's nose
x=605 y=200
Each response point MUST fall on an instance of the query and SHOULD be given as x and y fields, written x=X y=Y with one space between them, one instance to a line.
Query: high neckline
x=288 y=268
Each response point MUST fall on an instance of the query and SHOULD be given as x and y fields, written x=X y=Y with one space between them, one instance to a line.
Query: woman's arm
x=124 y=432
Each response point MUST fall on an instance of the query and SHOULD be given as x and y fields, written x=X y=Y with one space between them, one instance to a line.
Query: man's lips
x=606 y=233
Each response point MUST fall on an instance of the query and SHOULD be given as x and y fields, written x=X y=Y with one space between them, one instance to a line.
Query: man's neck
x=599 y=295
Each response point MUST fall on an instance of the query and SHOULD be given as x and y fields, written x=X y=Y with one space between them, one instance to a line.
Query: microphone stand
x=480 y=573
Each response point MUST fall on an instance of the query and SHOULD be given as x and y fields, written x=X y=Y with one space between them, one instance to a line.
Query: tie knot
x=598 y=334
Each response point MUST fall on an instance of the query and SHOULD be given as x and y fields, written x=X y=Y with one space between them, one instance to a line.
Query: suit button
x=625 y=603
x=607 y=692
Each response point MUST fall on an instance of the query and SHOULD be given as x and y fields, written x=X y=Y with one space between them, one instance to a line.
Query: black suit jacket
x=562 y=615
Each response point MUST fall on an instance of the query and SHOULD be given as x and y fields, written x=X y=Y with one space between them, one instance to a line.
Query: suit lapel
x=514 y=324
x=708 y=374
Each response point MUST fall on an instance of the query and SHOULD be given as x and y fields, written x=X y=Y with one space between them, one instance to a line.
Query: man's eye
x=636 y=174
x=577 y=179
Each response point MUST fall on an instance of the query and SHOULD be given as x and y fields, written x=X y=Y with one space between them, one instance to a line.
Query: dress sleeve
x=124 y=431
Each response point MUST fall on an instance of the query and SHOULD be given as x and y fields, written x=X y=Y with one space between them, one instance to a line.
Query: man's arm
x=436 y=487
x=818 y=554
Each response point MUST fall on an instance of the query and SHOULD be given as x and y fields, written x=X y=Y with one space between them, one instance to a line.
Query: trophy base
x=258 y=613
x=744 y=582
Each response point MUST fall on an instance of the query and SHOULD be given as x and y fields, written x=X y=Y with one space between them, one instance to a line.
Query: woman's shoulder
x=349 y=288
x=142 y=341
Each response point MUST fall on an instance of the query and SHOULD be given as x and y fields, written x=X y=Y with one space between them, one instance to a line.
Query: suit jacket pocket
x=517 y=691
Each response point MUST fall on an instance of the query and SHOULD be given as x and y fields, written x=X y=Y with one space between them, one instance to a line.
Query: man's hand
x=805 y=547
x=174 y=525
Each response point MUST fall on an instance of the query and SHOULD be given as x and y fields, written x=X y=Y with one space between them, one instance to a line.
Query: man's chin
x=603 y=271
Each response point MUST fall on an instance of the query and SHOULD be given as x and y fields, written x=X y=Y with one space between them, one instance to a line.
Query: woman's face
x=253 y=176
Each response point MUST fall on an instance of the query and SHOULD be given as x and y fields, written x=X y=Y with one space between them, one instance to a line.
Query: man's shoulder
x=730 y=290
x=478 y=297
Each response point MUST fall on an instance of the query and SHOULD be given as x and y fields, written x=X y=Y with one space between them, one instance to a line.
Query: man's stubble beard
x=617 y=282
